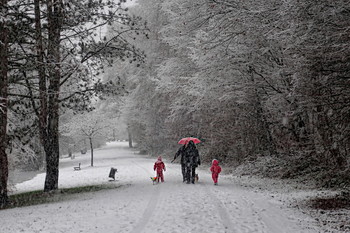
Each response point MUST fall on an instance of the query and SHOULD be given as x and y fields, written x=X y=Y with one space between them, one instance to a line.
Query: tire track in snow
x=253 y=212
x=221 y=209
x=266 y=216
x=240 y=208
x=151 y=206
x=255 y=221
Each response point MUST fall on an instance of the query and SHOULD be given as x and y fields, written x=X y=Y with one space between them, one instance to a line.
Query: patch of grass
x=41 y=197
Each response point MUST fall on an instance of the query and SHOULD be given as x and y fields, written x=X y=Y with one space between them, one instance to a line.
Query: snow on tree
x=264 y=84
x=91 y=126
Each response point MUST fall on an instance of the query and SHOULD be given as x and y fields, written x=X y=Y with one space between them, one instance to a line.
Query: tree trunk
x=92 y=152
x=3 y=105
x=41 y=72
x=52 y=147
x=129 y=137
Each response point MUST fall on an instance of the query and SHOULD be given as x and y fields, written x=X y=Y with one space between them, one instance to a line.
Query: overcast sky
x=130 y=2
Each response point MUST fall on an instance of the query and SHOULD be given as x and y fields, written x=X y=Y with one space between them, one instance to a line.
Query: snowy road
x=138 y=206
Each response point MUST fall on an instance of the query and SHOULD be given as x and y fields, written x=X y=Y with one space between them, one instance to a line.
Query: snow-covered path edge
x=139 y=206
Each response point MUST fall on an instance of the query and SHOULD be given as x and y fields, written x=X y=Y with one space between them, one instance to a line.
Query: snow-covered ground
x=136 y=205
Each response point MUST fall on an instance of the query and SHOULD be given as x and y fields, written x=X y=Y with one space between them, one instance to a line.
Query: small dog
x=196 y=178
x=154 y=179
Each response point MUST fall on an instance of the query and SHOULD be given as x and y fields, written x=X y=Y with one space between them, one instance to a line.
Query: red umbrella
x=186 y=140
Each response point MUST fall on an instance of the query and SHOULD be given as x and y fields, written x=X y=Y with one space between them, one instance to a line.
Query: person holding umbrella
x=192 y=161
x=186 y=161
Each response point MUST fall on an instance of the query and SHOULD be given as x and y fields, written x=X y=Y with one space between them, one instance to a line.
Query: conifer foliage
x=52 y=55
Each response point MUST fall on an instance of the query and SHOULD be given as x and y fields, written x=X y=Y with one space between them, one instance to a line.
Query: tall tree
x=54 y=19
x=62 y=76
x=3 y=101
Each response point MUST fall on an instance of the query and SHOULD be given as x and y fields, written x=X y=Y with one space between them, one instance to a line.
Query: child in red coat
x=215 y=170
x=159 y=166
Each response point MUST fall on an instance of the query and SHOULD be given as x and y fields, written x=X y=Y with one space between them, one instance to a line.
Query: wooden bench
x=77 y=168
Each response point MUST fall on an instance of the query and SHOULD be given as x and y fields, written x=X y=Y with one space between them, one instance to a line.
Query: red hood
x=215 y=162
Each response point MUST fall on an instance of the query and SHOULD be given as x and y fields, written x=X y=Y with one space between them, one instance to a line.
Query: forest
x=264 y=84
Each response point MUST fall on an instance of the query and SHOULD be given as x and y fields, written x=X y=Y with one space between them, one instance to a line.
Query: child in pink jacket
x=215 y=170
x=159 y=166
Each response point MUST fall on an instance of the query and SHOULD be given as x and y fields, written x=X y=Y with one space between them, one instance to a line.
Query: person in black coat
x=181 y=152
x=191 y=162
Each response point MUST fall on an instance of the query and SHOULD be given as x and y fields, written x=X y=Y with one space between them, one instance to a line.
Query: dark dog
x=196 y=178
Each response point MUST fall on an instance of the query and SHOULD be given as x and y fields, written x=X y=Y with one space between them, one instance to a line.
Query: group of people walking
x=190 y=160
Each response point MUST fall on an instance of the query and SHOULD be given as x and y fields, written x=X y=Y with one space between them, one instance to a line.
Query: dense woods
x=264 y=82
x=260 y=82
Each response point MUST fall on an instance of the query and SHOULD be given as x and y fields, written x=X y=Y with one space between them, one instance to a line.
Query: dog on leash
x=196 y=178
x=154 y=179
